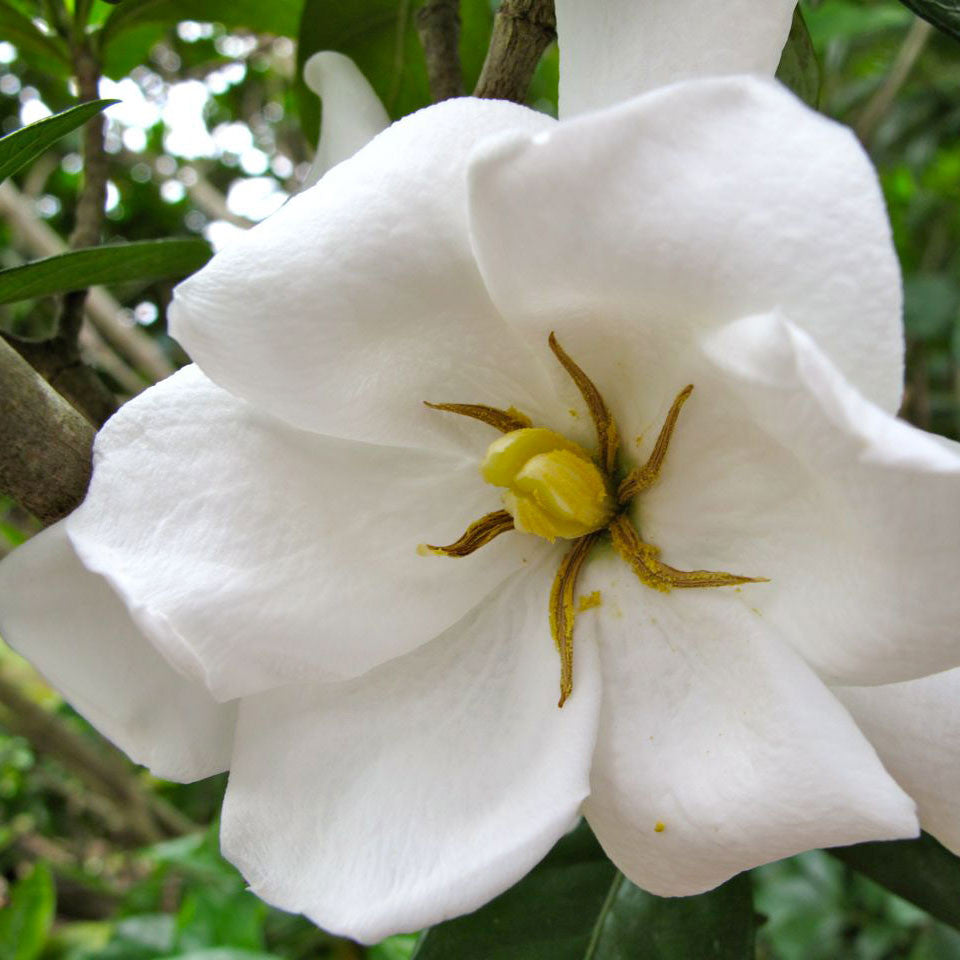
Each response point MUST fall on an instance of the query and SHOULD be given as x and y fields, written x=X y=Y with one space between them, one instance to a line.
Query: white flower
x=242 y=586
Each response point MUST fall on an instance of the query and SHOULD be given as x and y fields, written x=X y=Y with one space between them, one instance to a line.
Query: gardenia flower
x=249 y=583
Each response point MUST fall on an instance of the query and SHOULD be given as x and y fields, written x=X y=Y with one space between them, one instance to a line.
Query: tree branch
x=149 y=818
x=916 y=39
x=58 y=361
x=93 y=196
x=45 y=463
x=438 y=24
x=522 y=30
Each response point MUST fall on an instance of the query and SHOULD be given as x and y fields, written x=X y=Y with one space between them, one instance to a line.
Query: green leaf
x=799 y=68
x=381 y=37
x=19 y=148
x=944 y=14
x=26 y=922
x=119 y=59
x=576 y=906
x=400 y=947
x=921 y=871
x=279 y=17
x=46 y=52
x=112 y=263
x=719 y=924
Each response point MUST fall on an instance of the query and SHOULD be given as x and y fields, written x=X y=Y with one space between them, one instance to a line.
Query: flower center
x=554 y=489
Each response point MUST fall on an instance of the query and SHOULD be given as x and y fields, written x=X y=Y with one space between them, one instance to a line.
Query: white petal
x=611 y=50
x=360 y=298
x=255 y=554
x=714 y=730
x=915 y=727
x=860 y=511
x=352 y=113
x=687 y=208
x=76 y=631
x=423 y=789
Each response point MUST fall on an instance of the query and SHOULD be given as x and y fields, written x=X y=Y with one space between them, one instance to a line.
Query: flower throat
x=555 y=489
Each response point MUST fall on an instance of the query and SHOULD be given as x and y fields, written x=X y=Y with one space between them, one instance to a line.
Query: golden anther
x=607 y=433
x=502 y=420
x=477 y=535
x=562 y=609
x=647 y=475
x=643 y=558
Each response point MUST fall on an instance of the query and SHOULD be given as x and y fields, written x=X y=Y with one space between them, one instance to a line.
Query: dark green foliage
x=813 y=907
x=799 y=67
x=278 y=16
x=381 y=36
x=921 y=871
x=944 y=14
x=577 y=906
x=48 y=53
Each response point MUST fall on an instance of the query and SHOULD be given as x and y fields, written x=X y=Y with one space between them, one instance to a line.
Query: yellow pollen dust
x=555 y=489
x=659 y=827
x=589 y=601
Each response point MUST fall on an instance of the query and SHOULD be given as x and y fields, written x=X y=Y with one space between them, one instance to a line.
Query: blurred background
x=98 y=859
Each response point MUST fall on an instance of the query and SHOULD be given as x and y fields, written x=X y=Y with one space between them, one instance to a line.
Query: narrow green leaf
x=799 y=68
x=19 y=148
x=576 y=906
x=944 y=14
x=381 y=37
x=26 y=922
x=280 y=17
x=112 y=263
x=46 y=52
x=921 y=871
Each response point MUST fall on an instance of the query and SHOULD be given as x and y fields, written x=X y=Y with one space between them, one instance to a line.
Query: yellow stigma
x=553 y=488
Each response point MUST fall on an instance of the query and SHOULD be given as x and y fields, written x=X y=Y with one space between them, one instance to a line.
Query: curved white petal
x=76 y=631
x=629 y=230
x=719 y=749
x=360 y=298
x=423 y=789
x=851 y=512
x=255 y=554
x=915 y=727
x=352 y=113
x=611 y=50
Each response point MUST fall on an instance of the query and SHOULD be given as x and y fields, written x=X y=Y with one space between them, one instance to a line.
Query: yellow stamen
x=562 y=611
x=607 y=434
x=502 y=420
x=647 y=475
x=643 y=558
x=478 y=534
